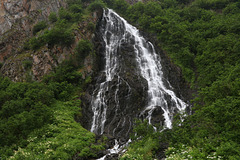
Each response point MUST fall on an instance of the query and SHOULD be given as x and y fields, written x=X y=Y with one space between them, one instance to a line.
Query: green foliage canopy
x=202 y=38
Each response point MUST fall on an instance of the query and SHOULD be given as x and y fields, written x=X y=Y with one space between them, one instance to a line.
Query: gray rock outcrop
x=17 y=18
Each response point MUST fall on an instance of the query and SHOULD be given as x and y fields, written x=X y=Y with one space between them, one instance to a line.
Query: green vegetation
x=1 y=64
x=63 y=24
x=83 y=49
x=27 y=64
x=37 y=119
x=61 y=30
x=53 y=17
x=96 y=5
x=145 y=142
x=39 y=26
x=60 y=34
x=91 y=27
x=62 y=139
x=201 y=37
x=24 y=107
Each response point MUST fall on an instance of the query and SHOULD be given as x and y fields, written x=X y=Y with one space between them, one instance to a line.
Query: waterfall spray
x=117 y=31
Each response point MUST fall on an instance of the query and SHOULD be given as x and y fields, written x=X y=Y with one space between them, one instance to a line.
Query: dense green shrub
x=35 y=43
x=64 y=14
x=118 y=5
x=145 y=142
x=53 y=17
x=73 y=2
x=35 y=125
x=91 y=26
x=27 y=64
x=87 y=1
x=202 y=38
x=184 y=1
x=76 y=8
x=61 y=33
x=65 y=73
x=83 y=49
x=62 y=139
x=24 y=107
x=232 y=8
x=109 y=3
x=39 y=26
x=37 y=119
x=96 y=5
x=60 y=36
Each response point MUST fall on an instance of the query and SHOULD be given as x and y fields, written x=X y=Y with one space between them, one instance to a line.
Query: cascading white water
x=118 y=30
x=99 y=104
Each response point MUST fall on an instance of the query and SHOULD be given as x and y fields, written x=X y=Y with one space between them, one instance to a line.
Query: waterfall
x=128 y=54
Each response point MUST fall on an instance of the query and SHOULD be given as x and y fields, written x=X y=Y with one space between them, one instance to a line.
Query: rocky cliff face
x=17 y=18
x=33 y=65
x=22 y=12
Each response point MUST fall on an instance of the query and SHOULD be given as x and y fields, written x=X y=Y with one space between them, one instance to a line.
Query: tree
x=39 y=26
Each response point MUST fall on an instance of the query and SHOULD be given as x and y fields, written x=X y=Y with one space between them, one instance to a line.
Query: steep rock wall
x=16 y=11
x=17 y=18
x=16 y=23
x=44 y=60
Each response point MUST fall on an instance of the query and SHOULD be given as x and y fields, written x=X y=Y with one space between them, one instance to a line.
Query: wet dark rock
x=160 y=153
x=112 y=157
x=87 y=114
x=131 y=89
x=157 y=116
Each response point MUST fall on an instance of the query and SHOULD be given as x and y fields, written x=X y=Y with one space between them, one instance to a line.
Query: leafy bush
x=35 y=43
x=24 y=107
x=184 y=1
x=65 y=73
x=1 y=64
x=76 y=8
x=232 y=8
x=145 y=142
x=60 y=36
x=109 y=3
x=83 y=49
x=27 y=64
x=57 y=35
x=88 y=1
x=96 y=5
x=37 y=120
x=73 y=2
x=61 y=139
x=53 y=17
x=61 y=33
x=121 y=5
x=229 y=150
x=91 y=26
x=211 y=4
x=64 y=14
x=39 y=26
x=204 y=43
